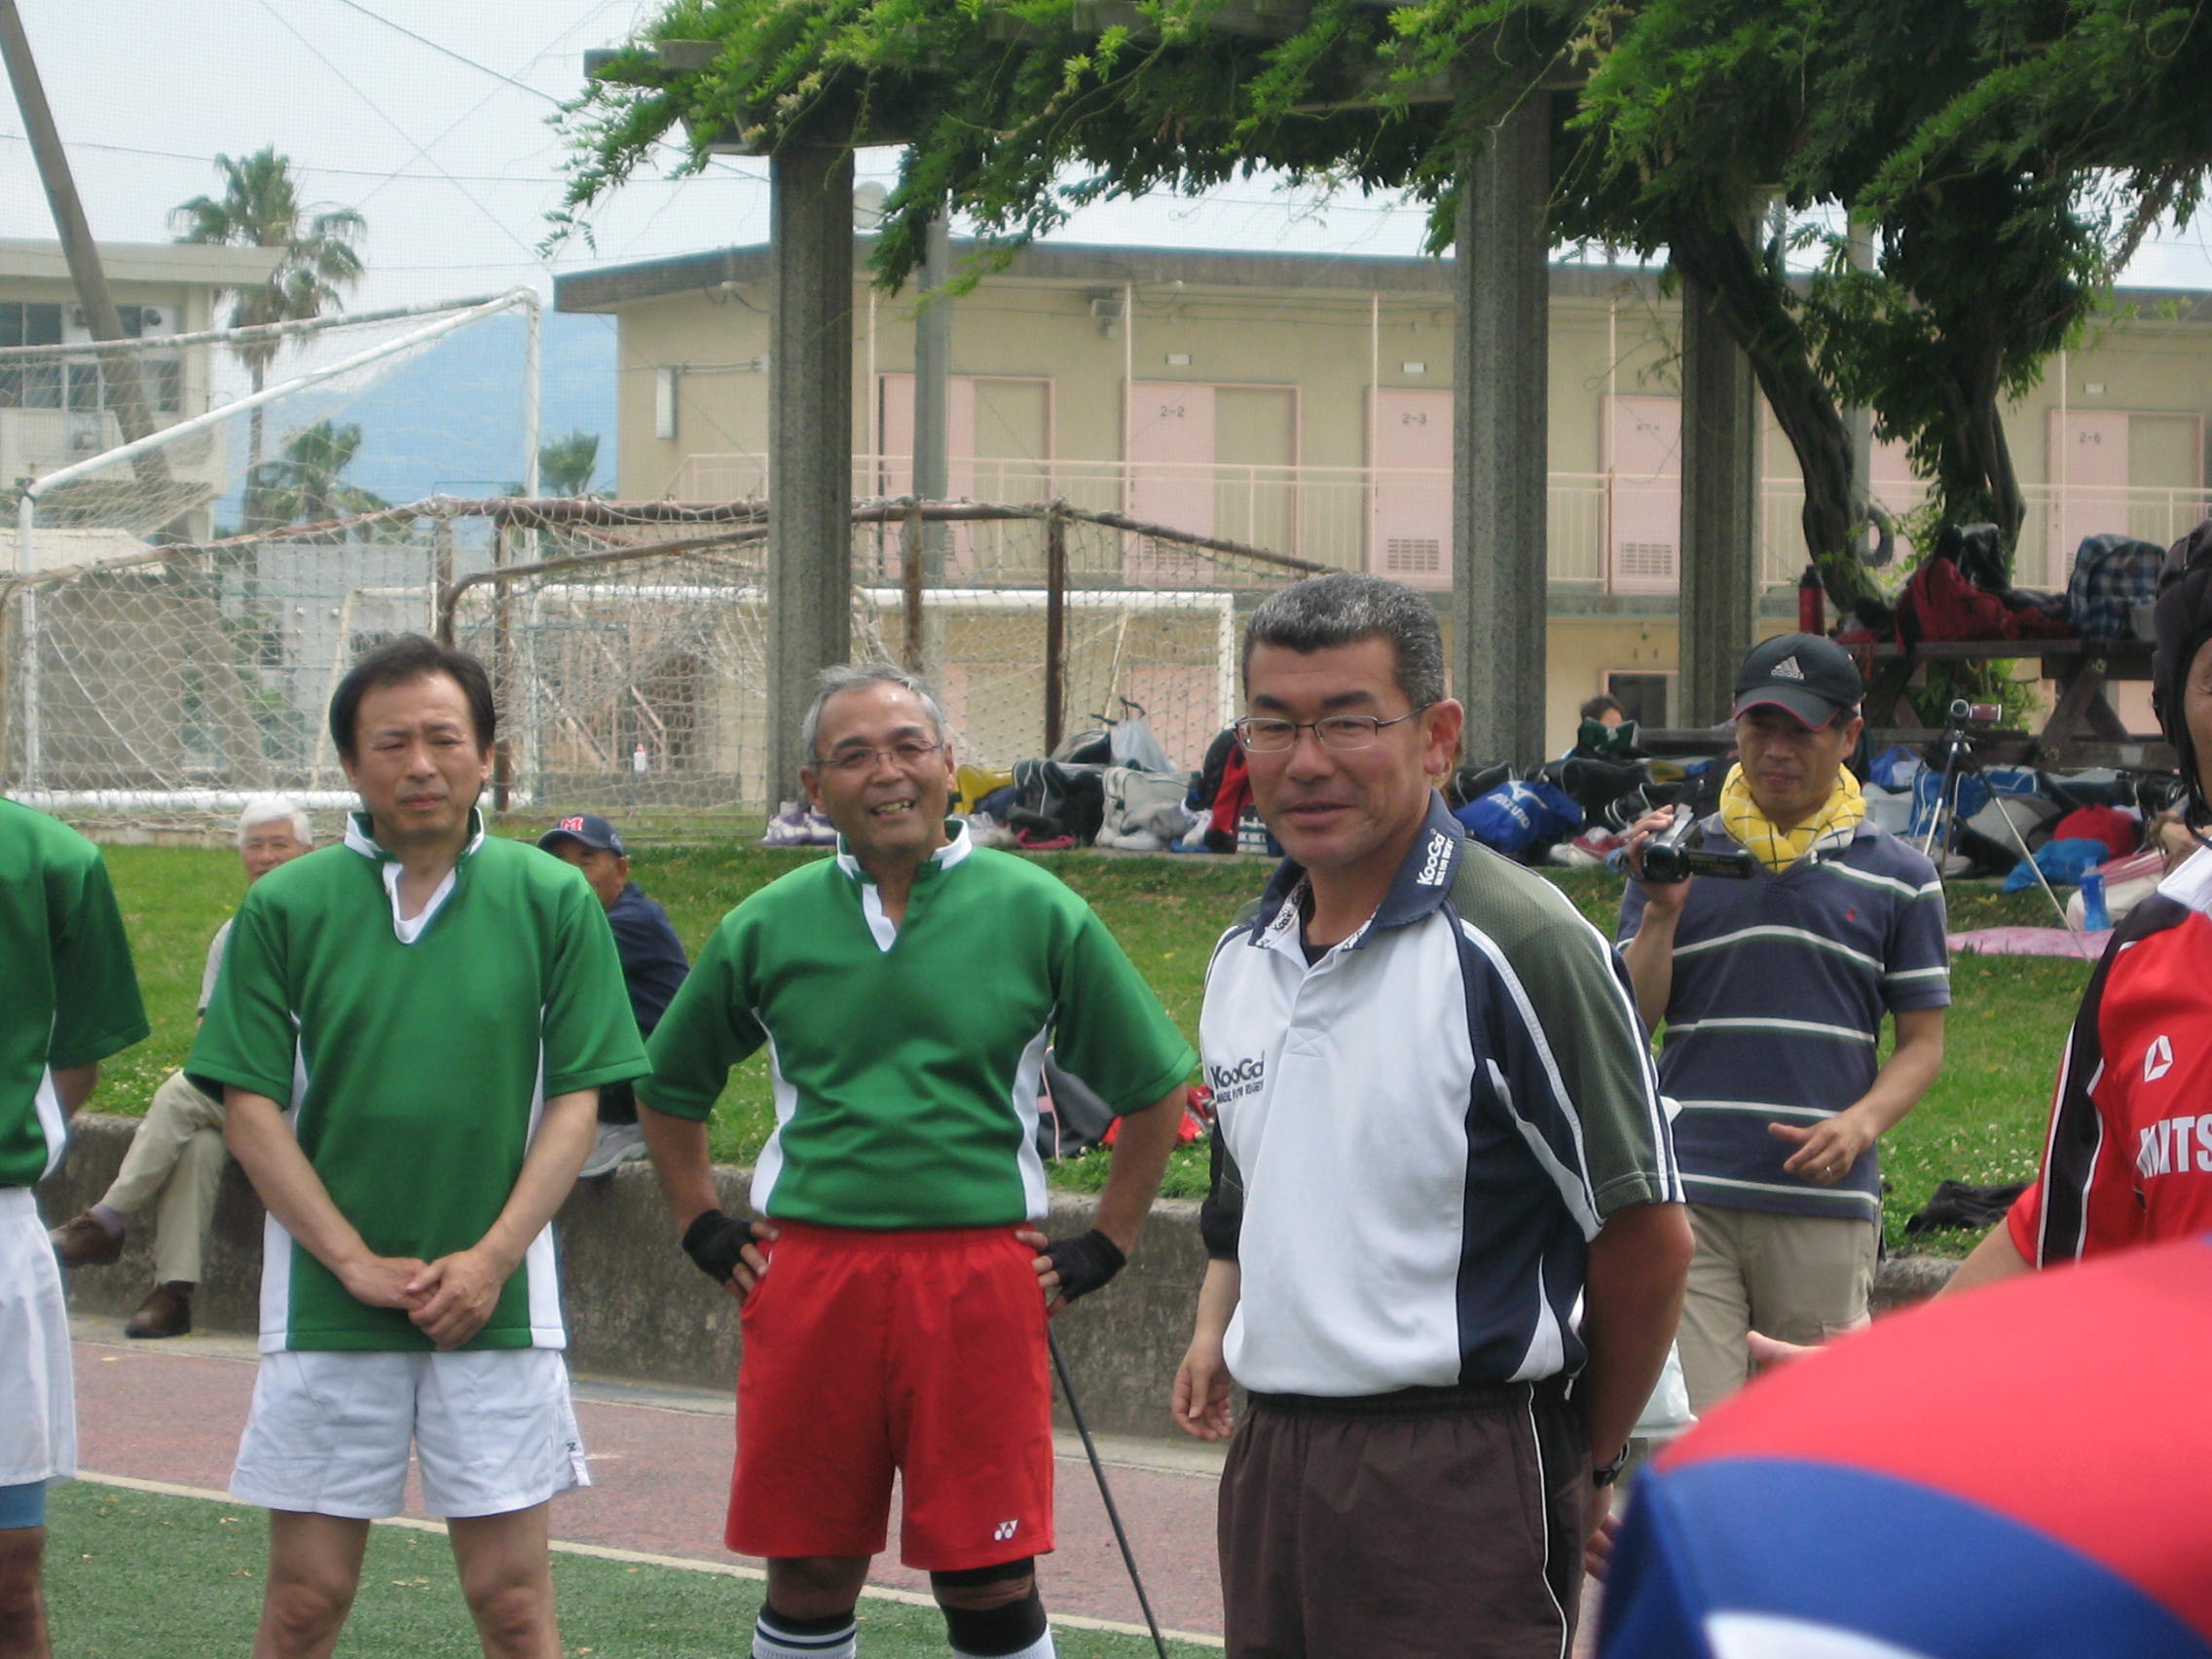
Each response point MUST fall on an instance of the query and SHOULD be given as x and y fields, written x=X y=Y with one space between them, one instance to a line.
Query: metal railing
x=1605 y=533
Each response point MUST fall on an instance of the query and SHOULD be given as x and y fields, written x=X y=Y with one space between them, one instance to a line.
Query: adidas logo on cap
x=1788 y=668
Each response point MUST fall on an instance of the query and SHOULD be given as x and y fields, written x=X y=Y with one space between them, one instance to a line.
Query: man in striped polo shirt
x=1772 y=991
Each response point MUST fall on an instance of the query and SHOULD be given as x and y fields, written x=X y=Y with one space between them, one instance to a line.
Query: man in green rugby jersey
x=904 y=990
x=410 y=1032
x=68 y=1001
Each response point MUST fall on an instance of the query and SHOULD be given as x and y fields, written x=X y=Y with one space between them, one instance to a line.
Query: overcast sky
x=441 y=142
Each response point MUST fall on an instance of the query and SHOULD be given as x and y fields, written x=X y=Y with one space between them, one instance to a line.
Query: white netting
x=627 y=642
x=361 y=412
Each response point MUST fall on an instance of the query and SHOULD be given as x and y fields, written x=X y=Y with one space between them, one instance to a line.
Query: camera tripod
x=1956 y=750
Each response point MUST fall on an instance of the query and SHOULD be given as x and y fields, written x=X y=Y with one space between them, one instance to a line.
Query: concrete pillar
x=1720 y=529
x=1501 y=292
x=810 y=440
x=933 y=385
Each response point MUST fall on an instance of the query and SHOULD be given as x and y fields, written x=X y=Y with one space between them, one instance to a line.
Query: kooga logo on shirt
x=1232 y=1083
x=1438 y=865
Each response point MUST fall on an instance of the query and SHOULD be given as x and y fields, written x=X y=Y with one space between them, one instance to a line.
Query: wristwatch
x=1606 y=1474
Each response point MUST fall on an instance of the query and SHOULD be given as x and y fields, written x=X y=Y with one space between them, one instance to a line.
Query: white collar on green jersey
x=408 y=929
x=362 y=841
x=945 y=858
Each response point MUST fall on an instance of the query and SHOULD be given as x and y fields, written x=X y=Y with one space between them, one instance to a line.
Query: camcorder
x=1668 y=857
x=1966 y=714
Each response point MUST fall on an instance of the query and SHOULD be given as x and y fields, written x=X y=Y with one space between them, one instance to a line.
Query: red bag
x=1938 y=602
x=2107 y=823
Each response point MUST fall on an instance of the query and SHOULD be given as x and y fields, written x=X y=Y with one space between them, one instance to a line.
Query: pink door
x=2088 y=481
x=1409 y=519
x=895 y=425
x=895 y=455
x=1171 y=483
x=1644 y=494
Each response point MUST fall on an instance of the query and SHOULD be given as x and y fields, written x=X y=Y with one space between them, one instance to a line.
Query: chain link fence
x=628 y=641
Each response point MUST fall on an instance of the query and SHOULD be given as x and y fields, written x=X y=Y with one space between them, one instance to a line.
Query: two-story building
x=55 y=411
x=1305 y=404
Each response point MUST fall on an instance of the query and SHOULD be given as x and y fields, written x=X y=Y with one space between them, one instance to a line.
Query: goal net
x=628 y=644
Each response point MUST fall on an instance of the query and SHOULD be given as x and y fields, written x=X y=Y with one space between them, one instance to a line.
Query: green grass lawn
x=132 y=1573
x=1982 y=1123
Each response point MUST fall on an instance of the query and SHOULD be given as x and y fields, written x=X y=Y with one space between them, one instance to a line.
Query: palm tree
x=260 y=208
x=566 y=464
x=304 y=486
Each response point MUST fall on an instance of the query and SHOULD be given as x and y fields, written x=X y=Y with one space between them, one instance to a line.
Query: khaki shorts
x=1801 y=1278
x=329 y=1433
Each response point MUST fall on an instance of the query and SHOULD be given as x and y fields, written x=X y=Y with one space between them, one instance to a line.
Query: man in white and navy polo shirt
x=1772 y=991
x=1445 y=1231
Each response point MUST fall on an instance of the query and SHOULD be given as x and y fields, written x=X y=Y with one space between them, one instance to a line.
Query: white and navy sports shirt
x=1422 y=1131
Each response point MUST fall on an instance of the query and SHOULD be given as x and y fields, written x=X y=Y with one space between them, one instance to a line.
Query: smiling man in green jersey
x=68 y=1002
x=411 y=1031
x=905 y=990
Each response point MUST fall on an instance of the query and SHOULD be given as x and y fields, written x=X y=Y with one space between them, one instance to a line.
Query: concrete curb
x=639 y=1310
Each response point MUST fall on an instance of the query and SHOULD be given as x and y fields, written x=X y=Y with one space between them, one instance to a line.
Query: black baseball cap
x=588 y=828
x=1804 y=675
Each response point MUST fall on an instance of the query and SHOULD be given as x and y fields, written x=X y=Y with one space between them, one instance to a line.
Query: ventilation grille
x=1412 y=556
x=1650 y=561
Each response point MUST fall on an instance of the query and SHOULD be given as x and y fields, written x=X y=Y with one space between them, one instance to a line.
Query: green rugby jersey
x=68 y=995
x=414 y=1060
x=906 y=1060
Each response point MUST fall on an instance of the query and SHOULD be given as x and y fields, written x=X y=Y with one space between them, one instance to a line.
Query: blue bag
x=1518 y=818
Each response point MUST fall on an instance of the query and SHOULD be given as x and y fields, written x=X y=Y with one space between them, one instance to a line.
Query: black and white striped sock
x=778 y=1636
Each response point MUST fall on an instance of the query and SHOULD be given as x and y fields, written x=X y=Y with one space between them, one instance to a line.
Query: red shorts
x=868 y=1353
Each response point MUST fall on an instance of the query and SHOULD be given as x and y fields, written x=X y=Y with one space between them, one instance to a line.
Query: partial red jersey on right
x=2128 y=1159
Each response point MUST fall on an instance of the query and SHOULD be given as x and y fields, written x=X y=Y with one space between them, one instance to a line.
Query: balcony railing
x=1605 y=533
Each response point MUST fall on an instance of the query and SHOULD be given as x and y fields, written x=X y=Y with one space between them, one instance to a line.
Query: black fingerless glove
x=716 y=1243
x=1084 y=1262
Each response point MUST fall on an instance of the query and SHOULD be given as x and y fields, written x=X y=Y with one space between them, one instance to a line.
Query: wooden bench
x=2081 y=729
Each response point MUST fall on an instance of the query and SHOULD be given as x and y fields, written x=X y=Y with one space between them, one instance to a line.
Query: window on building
x=1645 y=698
x=79 y=383
x=30 y=386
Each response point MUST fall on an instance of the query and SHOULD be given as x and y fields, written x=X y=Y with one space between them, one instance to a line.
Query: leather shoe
x=82 y=1241
x=166 y=1312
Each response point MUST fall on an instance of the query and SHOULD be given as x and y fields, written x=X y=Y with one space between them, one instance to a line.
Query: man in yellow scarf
x=1772 y=991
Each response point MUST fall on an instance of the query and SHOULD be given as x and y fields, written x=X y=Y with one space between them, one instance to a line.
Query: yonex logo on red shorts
x=1004 y=1531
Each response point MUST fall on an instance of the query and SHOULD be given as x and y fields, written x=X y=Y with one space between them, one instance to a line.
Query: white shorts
x=329 y=1432
x=37 y=1410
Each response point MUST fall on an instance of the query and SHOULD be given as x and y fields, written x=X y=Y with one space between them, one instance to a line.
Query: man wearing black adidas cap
x=1772 y=992
x=653 y=965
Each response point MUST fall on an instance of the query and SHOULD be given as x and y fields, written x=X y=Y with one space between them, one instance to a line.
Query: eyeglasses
x=1262 y=736
x=905 y=752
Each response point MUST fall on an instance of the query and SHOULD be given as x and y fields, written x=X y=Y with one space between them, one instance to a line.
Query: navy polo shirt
x=1780 y=984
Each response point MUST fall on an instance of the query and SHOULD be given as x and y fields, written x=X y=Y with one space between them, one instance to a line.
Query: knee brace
x=993 y=1631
